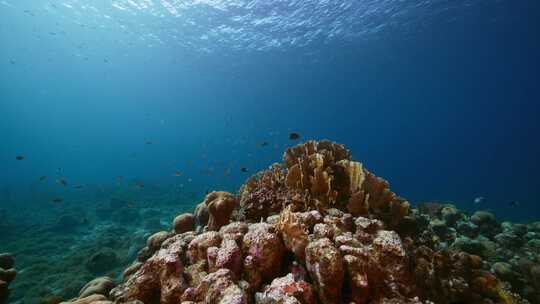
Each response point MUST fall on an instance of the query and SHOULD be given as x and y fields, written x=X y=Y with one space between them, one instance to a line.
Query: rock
x=508 y=240
x=102 y=261
x=286 y=290
x=234 y=231
x=467 y=228
x=184 y=223
x=503 y=270
x=6 y=261
x=433 y=209
x=198 y=246
x=159 y=280
x=155 y=241
x=534 y=245
x=228 y=256
x=440 y=228
x=217 y=287
x=325 y=266
x=450 y=215
x=263 y=252
x=482 y=217
x=98 y=286
x=519 y=229
x=469 y=245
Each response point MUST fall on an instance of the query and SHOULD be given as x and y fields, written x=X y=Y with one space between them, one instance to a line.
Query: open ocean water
x=148 y=105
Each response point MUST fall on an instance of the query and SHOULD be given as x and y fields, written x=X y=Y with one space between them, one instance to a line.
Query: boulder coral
x=220 y=205
x=318 y=228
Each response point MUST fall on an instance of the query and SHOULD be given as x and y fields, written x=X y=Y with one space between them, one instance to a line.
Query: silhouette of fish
x=515 y=203
x=294 y=136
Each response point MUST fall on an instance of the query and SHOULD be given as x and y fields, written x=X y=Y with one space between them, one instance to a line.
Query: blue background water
x=439 y=97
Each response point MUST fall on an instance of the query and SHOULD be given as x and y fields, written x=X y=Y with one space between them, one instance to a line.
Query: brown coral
x=263 y=195
x=184 y=223
x=293 y=232
x=220 y=207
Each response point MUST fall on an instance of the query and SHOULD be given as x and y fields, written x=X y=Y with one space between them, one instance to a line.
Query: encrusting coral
x=319 y=228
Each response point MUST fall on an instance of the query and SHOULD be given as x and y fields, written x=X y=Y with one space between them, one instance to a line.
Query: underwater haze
x=161 y=101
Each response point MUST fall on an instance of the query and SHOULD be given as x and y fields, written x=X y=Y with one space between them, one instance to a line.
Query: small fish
x=294 y=136
x=12 y=61
x=42 y=178
x=190 y=180
x=148 y=142
x=59 y=169
x=263 y=144
x=177 y=173
x=57 y=200
x=515 y=203
x=479 y=200
x=78 y=186
x=244 y=170
x=61 y=181
x=19 y=157
x=85 y=221
x=105 y=60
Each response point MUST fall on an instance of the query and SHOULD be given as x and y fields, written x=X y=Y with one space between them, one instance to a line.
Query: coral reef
x=319 y=228
x=509 y=251
x=7 y=275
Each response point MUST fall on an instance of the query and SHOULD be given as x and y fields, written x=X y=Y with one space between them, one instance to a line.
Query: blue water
x=439 y=97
